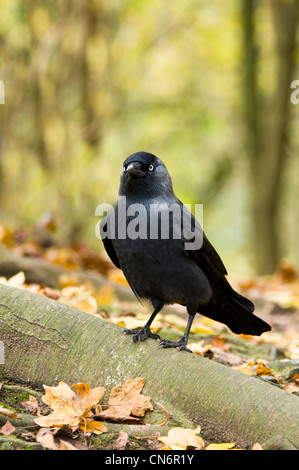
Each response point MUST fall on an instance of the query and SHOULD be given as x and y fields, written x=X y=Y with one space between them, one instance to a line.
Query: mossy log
x=46 y=342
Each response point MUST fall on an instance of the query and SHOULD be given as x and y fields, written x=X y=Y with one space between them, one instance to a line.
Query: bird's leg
x=181 y=344
x=145 y=332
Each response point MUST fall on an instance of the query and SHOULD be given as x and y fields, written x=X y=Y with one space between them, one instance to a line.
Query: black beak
x=135 y=169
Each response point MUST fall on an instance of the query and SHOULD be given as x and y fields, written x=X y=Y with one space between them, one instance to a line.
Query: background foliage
x=89 y=82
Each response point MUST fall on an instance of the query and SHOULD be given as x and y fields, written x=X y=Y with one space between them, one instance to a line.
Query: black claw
x=166 y=343
x=130 y=332
x=141 y=335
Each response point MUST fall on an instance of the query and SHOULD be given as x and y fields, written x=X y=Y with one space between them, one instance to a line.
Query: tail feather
x=236 y=312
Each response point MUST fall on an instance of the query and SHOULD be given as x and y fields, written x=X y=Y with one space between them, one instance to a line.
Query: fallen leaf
x=245 y=368
x=17 y=280
x=46 y=438
x=121 y=440
x=291 y=387
x=7 y=429
x=126 y=400
x=78 y=297
x=88 y=426
x=71 y=408
x=63 y=256
x=105 y=295
x=222 y=446
x=9 y=413
x=257 y=446
x=31 y=405
x=65 y=445
x=181 y=439
x=221 y=343
x=263 y=370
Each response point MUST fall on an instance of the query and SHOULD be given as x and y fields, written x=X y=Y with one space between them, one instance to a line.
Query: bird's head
x=145 y=175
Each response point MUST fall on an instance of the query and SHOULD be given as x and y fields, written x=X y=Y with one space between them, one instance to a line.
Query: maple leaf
x=72 y=408
x=181 y=439
x=126 y=400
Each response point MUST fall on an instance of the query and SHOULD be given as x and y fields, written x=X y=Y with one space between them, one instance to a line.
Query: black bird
x=163 y=267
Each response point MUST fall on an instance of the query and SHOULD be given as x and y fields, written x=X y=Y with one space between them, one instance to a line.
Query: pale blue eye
x=151 y=168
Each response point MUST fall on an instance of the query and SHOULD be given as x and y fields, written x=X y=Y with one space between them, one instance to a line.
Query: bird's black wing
x=211 y=264
x=205 y=256
x=107 y=241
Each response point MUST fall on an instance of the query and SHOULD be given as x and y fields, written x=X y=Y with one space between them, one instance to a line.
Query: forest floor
x=273 y=357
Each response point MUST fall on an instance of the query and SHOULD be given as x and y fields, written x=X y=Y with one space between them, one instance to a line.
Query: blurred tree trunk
x=88 y=18
x=267 y=121
x=35 y=89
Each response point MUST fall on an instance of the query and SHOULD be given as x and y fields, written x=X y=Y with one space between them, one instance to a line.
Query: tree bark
x=46 y=342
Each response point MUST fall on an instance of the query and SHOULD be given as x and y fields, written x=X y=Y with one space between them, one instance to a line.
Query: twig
x=21 y=389
x=167 y=415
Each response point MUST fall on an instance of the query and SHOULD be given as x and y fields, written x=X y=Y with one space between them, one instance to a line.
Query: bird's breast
x=160 y=268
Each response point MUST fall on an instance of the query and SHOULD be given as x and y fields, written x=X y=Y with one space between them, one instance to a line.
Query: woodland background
x=204 y=85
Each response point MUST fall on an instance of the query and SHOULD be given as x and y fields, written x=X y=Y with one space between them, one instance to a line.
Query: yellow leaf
x=181 y=439
x=262 y=369
x=69 y=408
x=87 y=398
x=96 y=427
x=245 y=368
x=78 y=297
x=105 y=295
x=223 y=446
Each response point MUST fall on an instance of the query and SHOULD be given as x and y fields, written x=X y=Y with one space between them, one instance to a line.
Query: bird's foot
x=166 y=343
x=141 y=335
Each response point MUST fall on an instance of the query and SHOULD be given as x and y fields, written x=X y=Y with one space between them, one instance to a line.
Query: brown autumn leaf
x=263 y=370
x=292 y=387
x=121 y=440
x=47 y=439
x=7 y=428
x=72 y=408
x=31 y=404
x=126 y=400
x=9 y=413
x=78 y=297
x=182 y=439
x=220 y=342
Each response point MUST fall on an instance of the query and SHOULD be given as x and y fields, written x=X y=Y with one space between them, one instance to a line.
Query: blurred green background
x=204 y=85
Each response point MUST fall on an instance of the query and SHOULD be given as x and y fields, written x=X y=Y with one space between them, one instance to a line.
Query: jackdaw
x=164 y=261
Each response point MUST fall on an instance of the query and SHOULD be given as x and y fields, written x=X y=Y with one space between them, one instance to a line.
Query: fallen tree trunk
x=46 y=342
x=41 y=272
